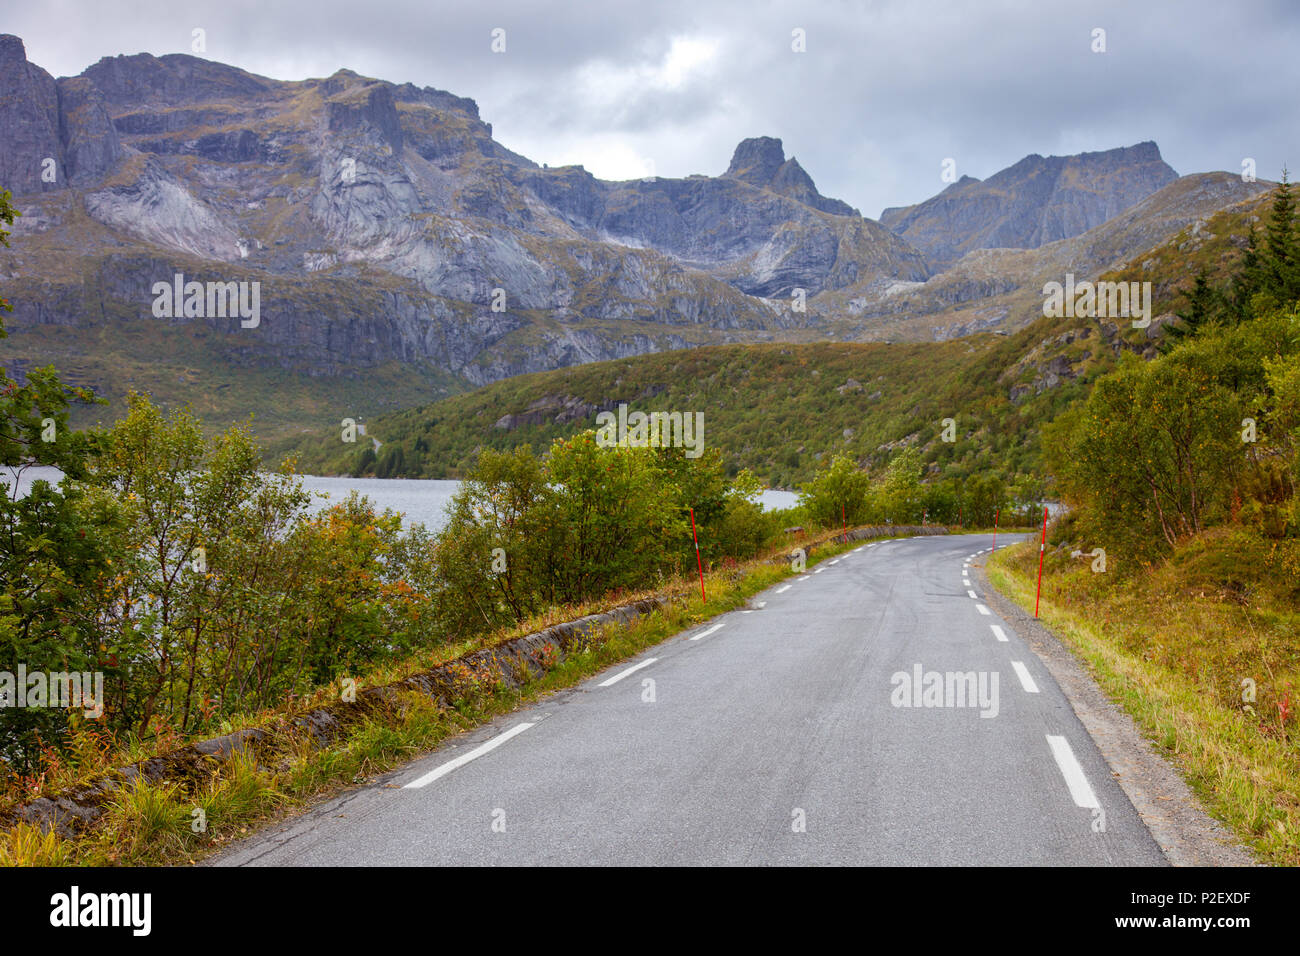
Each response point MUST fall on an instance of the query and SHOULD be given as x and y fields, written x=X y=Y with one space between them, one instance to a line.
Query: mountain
x=1036 y=201
x=1002 y=288
x=382 y=220
x=402 y=254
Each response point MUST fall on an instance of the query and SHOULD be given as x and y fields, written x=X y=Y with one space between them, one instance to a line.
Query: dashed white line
x=635 y=667
x=982 y=609
x=1000 y=634
x=804 y=578
x=819 y=570
x=836 y=561
x=973 y=595
x=784 y=589
x=1026 y=681
x=1080 y=789
x=707 y=633
x=463 y=759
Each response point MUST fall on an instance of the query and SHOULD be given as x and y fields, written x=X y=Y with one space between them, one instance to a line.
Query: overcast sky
x=884 y=92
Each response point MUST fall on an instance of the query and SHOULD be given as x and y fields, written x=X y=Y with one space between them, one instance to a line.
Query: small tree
x=839 y=493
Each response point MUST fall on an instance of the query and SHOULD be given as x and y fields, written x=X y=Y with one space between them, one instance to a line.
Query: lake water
x=421 y=501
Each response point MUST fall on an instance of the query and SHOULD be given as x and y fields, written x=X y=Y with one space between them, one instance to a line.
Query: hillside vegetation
x=777 y=409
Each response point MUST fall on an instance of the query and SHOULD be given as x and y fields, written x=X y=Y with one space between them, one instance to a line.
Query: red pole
x=698 y=561
x=1042 y=546
x=996 y=516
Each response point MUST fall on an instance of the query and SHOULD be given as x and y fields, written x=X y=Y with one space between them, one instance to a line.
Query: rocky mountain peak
x=11 y=50
x=760 y=161
x=756 y=160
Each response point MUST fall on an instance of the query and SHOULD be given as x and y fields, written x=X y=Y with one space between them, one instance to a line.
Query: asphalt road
x=779 y=737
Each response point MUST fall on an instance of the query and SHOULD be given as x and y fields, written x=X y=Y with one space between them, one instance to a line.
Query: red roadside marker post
x=1042 y=546
x=698 y=560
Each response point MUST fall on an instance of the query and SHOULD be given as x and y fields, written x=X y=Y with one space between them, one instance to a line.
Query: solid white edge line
x=982 y=609
x=706 y=633
x=621 y=674
x=463 y=759
x=1026 y=680
x=1080 y=789
x=1000 y=634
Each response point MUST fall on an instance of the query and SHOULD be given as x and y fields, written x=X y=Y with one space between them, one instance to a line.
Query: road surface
x=776 y=734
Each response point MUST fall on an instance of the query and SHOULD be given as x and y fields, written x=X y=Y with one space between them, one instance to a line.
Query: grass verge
x=1180 y=653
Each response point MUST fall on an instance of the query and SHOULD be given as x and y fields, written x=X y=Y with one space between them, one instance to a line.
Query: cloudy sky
x=883 y=92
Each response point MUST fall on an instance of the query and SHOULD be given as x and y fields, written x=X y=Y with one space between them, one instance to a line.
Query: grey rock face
x=90 y=141
x=29 y=119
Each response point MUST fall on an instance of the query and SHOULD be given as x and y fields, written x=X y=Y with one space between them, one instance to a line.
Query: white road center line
x=784 y=589
x=715 y=627
x=1080 y=789
x=635 y=667
x=982 y=609
x=1026 y=681
x=463 y=759
x=1000 y=634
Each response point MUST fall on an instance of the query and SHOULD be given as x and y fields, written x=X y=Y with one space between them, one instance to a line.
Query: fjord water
x=420 y=500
